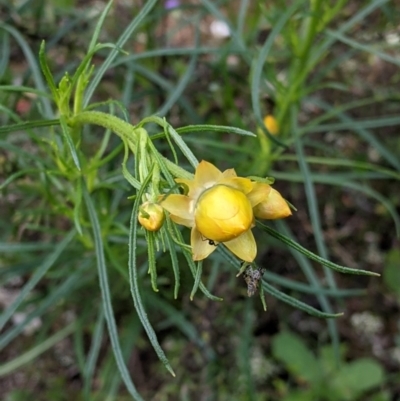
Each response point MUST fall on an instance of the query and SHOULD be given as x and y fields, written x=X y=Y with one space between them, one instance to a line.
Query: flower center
x=223 y=213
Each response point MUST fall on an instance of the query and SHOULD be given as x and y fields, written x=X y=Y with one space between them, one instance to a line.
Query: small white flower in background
x=220 y=29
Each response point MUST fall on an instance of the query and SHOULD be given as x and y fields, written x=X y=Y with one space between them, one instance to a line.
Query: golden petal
x=259 y=193
x=244 y=246
x=206 y=174
x=229 y=173
x=273 y=207
x=183 y=222
x=180 y=206
x=201 y=247
x=242 y=184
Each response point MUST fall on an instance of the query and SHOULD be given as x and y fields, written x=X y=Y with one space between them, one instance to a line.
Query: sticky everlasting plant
x=167 y=197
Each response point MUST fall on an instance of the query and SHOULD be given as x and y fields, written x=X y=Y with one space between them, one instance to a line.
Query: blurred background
x=327 y=75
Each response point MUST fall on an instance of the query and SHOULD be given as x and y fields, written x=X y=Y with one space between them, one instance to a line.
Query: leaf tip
x=170 y=370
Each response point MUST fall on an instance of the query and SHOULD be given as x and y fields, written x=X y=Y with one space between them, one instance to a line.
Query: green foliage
x=71 y=189
x=321 y=375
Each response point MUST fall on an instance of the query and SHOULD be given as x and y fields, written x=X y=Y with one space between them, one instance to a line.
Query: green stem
x=115 y=124
x=301 y=67
x=124 y=130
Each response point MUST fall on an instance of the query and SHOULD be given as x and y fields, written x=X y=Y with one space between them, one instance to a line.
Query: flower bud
x=273 y=207
x=271 y=124
x=223 y=213
x=151 y=216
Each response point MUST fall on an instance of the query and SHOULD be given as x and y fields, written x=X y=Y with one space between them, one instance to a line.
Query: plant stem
x=125 y=131
x=301 y=67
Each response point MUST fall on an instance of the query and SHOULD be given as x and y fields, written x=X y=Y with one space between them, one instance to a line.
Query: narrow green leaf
x=192 y=266
x=133 y=279
x=70 y=142
x=99 y=24
x=308 y=289
x=9 y=247
x=28 y=125
x=106 y=296
x=262 y=297
x=46 y=71
x=157 y=79
x=165 y=52
x=296 y=303
x=351 y=124
x=207 y=128
x=340 y=182
x=5 y=53
x=32 y=61
x=151 y=252
x=179 y=320
x=315 y=283
x=360 y=15
x=174 y=259
x=286 y=240
x=16 y=175
x=120 y=43
x=25 y=89
x=354 y=164
x=125 y=172
x=197 y=279
x=174 y=135
x=80 y=72
x=244 y=354
x=311 y=196
x=36 y=277
x=94 y=352
x=257 y=70
x=33 y=353
x=183 y=147
x=367 y=48
x=77 y=207
x=178 y=90
x=71 y=284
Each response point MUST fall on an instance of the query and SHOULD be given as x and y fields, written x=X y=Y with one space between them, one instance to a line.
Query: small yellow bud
x=273 y=207
x=151 y=216
x=271 y=124
x=223 y=213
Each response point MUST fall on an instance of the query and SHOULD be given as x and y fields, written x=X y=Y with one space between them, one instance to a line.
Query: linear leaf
x=120 y=43
x=133 y=279
x=296 y=303
x=286 y=240
x=70 y=142
x=36 y=277
x=34 y=352
x=106 y=296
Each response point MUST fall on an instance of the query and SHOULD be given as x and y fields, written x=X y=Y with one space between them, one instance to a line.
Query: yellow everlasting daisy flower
x=220 y=207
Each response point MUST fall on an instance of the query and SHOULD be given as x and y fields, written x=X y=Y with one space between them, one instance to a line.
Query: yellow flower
x=271 y=124
x=219 y=208
x=151 y=216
